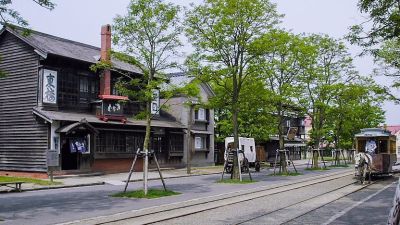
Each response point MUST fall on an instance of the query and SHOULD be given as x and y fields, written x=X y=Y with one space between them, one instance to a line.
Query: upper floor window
x=201 y=114
x=288 y=123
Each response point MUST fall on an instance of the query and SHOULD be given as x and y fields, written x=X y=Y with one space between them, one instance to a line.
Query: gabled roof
x=181 y=79
x=45 y=44
x=394 y=129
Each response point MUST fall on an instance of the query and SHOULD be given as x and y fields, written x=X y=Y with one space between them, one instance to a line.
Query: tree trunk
x=282 y=155
x=146 y=147
x=235 y=171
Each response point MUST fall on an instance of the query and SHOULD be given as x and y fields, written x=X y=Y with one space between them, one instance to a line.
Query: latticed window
x=119 y=142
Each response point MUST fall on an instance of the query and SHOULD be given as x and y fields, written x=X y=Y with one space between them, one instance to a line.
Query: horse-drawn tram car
x=376 y=149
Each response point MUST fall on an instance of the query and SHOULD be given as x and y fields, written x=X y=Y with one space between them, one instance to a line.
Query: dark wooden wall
x=23 y=140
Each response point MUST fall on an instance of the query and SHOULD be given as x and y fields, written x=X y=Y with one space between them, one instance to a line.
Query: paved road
x=370 y=205
x=62 y=205
x=367 y=206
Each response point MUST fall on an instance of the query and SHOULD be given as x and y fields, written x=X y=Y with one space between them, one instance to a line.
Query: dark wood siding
x=23 y=140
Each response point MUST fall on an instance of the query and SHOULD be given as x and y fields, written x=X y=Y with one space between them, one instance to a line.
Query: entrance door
x=69 y=155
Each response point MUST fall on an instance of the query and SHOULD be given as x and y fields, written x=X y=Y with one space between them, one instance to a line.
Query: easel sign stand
x=289 y=161
x=314 y=160
x=142 y=155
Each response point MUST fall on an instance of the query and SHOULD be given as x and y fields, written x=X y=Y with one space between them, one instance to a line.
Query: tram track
x=299 y=204
x=181 y=209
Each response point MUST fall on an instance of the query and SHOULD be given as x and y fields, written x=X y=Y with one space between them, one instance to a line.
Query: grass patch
x=317 y=169
x=151 y=193
x=28 y=180
x=289 y=174
x=235 y=181
x=340 y=166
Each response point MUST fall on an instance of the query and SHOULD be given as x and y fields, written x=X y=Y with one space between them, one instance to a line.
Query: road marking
x=339 y=214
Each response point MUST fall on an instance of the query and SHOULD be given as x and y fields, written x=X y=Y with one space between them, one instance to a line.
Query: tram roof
x=374 y=132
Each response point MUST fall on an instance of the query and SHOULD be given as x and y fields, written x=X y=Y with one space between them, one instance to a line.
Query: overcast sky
x=80 y=20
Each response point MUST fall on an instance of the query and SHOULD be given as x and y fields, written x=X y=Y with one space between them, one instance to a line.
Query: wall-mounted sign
x=52 y=158
x=155 y=103
x=112 y=108
x=49 y=88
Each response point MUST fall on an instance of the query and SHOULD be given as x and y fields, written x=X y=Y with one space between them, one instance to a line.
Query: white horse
x=363 y=165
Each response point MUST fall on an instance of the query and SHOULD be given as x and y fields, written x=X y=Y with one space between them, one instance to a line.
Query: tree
x=379 y=35
x=256 y=117
x=149 y=37
x=330 y=65
x=10 y=17
x=222 y=32
x=281 y=61
x=355 y=106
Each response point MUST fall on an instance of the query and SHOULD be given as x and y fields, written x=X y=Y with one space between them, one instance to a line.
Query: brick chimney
x=105 y=79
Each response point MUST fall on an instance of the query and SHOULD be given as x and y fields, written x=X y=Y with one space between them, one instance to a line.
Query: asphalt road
x=62 y=205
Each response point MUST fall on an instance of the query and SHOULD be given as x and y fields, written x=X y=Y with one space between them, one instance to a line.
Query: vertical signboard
x=155 y=103
x=49 y=88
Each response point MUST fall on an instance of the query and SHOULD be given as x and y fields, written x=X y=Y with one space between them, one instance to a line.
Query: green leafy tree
x=379 y=35
x=330 y=65
x=354 y=106
x=281 y=61
x=256 y=113
x=222 y=32
x=149 y=38
x=10 y=17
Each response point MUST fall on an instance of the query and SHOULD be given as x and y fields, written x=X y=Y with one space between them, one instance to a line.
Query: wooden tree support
x=288 y=160
x=337 y=154
x=226 y=164
x=143 y=154
x=314 y=160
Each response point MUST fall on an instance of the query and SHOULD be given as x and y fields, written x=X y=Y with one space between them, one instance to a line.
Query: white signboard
x=49 y=88
x=52 y=158
x=155 y=103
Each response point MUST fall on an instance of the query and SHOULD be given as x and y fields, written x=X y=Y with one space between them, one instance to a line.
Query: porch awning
x=201 y=132
x=295 y=145
x=71 y=127
x=51 y=116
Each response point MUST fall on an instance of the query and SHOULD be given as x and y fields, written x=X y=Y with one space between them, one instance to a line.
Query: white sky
x=80 y=20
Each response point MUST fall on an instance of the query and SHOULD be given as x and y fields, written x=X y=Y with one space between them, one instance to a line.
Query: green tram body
x=385 y=153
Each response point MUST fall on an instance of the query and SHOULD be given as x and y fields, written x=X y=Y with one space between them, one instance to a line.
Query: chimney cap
x=106 y=28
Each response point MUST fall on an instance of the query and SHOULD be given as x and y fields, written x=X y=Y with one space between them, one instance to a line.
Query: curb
x=102 y=183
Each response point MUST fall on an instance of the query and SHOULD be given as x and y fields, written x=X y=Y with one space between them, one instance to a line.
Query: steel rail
x=216 y=203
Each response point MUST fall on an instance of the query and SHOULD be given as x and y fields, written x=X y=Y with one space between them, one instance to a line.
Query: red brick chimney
x=105 y=80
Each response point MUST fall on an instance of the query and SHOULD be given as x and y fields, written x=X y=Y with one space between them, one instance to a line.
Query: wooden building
x=50 y=99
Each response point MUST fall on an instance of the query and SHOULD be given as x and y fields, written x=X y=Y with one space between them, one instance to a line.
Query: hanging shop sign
x=49 y=88
x=155 y=103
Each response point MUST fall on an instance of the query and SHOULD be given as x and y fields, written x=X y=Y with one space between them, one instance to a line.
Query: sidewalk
x=120 y=178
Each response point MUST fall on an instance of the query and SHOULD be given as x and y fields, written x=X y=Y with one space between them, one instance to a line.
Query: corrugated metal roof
x=179 y=79
x=50 y=44
x=76 y=117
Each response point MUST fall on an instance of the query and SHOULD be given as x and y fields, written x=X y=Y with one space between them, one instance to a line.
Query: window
x=176 y=144
x=288 y=123
x=199 y=142
x=118 y=142
x=201 y=114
